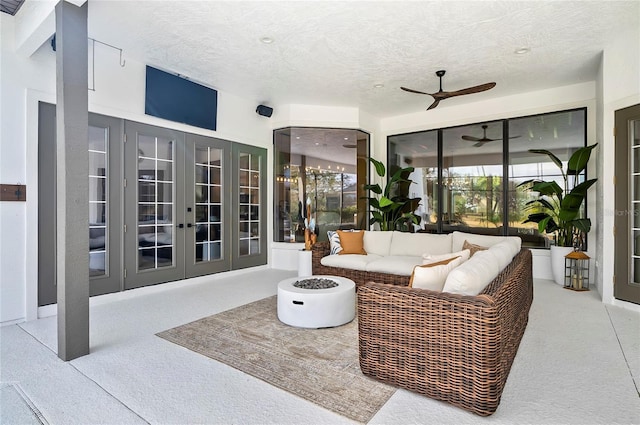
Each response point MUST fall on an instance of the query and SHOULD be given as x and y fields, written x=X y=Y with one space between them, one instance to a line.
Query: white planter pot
x=557 y=262
x=304 y=263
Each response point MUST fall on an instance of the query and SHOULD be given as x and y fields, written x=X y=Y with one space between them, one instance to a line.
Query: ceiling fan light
x=522 y=50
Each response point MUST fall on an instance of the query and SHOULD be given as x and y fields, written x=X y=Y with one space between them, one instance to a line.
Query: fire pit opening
x=315 y=283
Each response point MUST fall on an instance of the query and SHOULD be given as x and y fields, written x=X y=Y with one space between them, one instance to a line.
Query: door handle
x=181 y=226
x=189 y=225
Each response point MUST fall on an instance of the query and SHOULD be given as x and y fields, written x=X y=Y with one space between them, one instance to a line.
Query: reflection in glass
x=208 y=240
x=327 y=166
x=420 y=151
x=471 y=182
x=562 y=134
x=98 y=201
x=248 y=212
x=155 y=202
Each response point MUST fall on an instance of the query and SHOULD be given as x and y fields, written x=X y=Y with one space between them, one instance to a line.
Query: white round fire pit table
x=331 y=303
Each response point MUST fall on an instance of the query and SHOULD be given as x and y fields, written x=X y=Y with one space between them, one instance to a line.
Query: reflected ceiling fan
x=441 y=95
x=481 y=141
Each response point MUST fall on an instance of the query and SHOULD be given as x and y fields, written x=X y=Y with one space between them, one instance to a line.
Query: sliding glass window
x=465 y=168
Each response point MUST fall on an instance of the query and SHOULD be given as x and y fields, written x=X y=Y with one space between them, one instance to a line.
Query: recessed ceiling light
x=522 y=50
x=378 y=86
x=266 y=40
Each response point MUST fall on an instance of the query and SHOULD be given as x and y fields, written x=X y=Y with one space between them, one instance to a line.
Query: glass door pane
x=249 y=211
x=98 y=201
x=155 y=202
x=249 y=200
x=634 y=207
x=154 y=226
x=207 y=207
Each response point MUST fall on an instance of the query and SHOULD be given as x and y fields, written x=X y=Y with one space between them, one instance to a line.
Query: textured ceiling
x=334 y=52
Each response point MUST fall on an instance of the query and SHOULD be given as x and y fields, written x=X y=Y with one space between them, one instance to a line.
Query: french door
x=164 y=205
x=627 y=204
x=103 y=172
x=194 y=205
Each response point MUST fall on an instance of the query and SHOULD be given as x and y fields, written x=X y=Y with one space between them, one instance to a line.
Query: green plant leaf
x=554 y=158
x=547 y=188
x=379 y=166
x=579 y=160
x=385 y=202
x=582 y=188
x=529 y=182
x=375 y=188
x=377 y=216
x=540 y=202
x=582 y=224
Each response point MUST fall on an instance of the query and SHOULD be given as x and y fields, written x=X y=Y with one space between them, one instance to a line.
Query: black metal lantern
x=576 y=271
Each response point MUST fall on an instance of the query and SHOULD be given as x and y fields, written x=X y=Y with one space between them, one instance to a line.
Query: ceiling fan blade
x=479 y=144
x=471 y=138
x=415 y=91
x=434 y=104
x=469 y=90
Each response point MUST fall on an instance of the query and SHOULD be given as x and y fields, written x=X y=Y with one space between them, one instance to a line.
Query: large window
x=319 y=176
x=468 y=176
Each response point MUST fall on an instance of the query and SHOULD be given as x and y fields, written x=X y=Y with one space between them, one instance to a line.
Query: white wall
x=119 y=92
x=620 y=89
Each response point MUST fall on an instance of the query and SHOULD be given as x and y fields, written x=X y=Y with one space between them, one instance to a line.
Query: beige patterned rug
x=319 y=365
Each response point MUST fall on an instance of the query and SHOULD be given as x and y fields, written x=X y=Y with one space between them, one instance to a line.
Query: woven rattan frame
x=454 y=348
x=322 y=249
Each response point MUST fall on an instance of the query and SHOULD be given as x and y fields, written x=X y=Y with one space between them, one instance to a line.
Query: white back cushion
x=432 y=258
x=504 y=253
x=418 y=244
x=377 y=242
x=433 y=277
x=471 y=277
x=458 y=239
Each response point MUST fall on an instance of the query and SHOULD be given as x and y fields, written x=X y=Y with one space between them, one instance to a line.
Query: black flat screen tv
x=177 y=99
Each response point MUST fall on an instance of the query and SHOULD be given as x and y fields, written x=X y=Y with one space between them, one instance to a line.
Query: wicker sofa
x=450 y=347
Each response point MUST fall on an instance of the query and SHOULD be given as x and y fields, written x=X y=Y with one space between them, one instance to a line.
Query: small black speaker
x=263 y=110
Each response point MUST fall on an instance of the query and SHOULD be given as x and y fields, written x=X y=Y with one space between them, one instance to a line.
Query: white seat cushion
x=417 y=244
x=471 y=277
x=394 y=264
x=458 y=239
x=377 y=242
x=349 y=261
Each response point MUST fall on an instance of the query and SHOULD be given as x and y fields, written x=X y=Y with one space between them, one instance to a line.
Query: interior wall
x=119 y=92
x=620 y=89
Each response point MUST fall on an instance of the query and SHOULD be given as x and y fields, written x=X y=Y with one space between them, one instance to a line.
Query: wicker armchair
x=454 y=348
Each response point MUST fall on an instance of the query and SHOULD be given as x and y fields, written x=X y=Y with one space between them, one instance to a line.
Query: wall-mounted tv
x=177 y=99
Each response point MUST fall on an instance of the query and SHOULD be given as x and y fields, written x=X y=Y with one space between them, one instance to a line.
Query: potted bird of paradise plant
x=558 y=210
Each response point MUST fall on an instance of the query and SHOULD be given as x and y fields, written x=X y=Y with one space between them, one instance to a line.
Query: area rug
x=319 y=365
